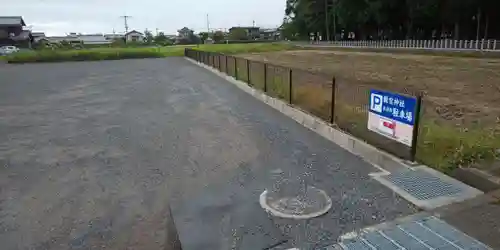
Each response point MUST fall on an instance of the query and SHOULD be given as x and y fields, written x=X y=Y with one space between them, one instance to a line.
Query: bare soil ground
x=461 y=120
x=463 y=90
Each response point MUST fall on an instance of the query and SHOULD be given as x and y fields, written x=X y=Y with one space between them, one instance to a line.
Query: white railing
x=446 y=44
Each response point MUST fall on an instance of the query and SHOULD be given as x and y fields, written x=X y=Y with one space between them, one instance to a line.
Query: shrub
x=82 y=55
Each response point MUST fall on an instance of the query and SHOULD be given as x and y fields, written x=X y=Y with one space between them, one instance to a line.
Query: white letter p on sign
x=376 y=103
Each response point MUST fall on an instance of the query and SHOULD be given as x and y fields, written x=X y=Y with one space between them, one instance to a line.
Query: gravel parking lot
x=91 y=152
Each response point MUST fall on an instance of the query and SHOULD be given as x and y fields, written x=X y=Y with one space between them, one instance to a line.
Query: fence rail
x=340 y=103
x=445 y=44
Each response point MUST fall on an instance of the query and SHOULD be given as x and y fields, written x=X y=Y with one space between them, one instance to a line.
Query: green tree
x=203 y=36
x=238 y=34
x=394 y=19
x=148 y=37
x=218 y=36
x=160 y=39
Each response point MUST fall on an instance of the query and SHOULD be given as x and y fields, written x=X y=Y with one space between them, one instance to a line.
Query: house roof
x=24 y=35
x=243 y=27
x=133 y=31
x=268 y=30
x=38 y=34
x=12 y=20
x=185 y=29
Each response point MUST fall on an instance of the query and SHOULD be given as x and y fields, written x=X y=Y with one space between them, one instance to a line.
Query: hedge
x=82 y=55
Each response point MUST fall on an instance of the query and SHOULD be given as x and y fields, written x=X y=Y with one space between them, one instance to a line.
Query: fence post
x=495 y=44
x=218 y=62
x=482 y=44
x=248 y=71
x=332 y=106
x=235 y=68
x=290 y=82
x=227 y=65
x=416 y=128
x=488 y=45
x=265 y=77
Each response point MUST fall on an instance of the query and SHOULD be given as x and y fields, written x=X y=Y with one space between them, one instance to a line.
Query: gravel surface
x=91 y=152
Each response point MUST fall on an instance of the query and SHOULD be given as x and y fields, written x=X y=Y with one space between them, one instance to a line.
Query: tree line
x=392 y=19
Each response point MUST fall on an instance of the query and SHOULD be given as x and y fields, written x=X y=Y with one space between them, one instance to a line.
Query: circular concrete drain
x=311 y=202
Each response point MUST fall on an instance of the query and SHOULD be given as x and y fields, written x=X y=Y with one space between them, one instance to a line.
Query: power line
x=125 y=21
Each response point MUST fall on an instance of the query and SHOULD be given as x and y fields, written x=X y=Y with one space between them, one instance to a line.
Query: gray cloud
x=58 y=17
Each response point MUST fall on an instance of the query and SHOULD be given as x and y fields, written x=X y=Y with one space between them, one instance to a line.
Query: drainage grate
x=427 y=233
x=423 y=185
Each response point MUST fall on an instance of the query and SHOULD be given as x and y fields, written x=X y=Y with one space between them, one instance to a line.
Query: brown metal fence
x=342 y=103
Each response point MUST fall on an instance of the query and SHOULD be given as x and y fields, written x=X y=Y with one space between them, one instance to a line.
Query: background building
x=12 y=32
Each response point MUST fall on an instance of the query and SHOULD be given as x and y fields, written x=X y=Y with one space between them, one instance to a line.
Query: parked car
x=5 y=50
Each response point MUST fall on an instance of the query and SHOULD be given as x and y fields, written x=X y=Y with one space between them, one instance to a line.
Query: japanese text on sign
x=393 y=106
x=392 y=115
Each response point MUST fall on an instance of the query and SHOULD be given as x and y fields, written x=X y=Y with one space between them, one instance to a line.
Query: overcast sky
x=59 y=17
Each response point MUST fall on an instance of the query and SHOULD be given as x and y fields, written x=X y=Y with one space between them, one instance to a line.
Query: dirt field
x=462 y=91
x=461 y=117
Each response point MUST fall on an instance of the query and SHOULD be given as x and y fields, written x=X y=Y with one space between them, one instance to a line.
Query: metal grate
x=423 y=185
x=426 y=233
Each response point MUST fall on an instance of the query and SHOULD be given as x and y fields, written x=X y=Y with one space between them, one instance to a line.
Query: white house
x=86 y=39
x=114 y=36
x=94 y=39
x=69 y=38
x=134 y=36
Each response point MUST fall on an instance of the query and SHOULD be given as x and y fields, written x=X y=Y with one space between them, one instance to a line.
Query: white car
x=5 y=50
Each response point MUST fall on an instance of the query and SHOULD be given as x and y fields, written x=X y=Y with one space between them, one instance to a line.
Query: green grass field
x=144 y=52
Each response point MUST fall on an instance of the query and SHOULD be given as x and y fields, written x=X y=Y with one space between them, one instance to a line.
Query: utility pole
x=208 y=25
x=125 y=22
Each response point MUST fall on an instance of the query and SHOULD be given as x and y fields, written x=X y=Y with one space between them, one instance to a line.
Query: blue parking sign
x=393 y=106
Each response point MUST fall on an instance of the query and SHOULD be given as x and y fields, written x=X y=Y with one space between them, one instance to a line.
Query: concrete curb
x=381 y=160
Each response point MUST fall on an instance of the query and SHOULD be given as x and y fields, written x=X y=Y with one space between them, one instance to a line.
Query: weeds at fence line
x=345 y=106
x=311 y=92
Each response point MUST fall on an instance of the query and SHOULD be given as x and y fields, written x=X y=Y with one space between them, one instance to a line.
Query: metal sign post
x=395 y=116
